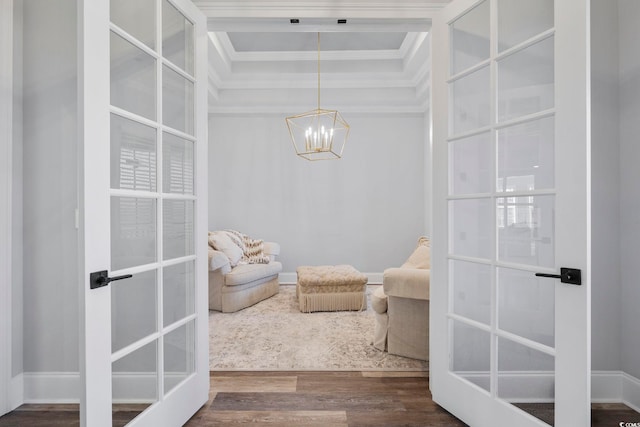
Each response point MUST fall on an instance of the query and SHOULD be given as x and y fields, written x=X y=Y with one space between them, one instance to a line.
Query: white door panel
x=145 y=198
x=511 y=170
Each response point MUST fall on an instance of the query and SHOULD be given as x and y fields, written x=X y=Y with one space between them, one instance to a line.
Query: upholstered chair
x=402 y=306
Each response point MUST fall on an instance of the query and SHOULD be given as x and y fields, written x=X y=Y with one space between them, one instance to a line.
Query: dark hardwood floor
x=309 y=399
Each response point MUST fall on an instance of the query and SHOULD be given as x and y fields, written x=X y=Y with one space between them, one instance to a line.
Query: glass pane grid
x=501 y=197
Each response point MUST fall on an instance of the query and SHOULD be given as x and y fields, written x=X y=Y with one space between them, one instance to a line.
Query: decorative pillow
x=220 y=241
x=420 y=258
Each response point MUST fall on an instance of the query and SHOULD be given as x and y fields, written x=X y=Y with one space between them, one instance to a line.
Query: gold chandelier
x=318 y=134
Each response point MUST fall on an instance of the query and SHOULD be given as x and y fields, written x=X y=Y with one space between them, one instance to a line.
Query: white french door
x=511 y=199
x=144 y=125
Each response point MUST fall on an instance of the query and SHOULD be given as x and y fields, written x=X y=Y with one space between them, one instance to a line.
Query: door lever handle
x=99 y=279
x=572 y=276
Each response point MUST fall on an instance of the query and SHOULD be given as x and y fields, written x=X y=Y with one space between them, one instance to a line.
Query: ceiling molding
x=290 y=109
x=342 y=81
x=319 y=8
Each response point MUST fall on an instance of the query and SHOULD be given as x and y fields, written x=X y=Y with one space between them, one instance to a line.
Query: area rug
x=275 y=335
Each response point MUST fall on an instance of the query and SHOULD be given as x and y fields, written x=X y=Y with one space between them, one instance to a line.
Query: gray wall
x=629 y=16
x=366 y=209
x=50 y=254
x=605 y=156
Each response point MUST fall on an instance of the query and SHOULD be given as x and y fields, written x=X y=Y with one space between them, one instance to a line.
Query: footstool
x=331 y=288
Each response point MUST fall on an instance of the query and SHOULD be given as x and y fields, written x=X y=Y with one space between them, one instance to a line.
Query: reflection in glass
x=133 y=155
x=525 y=81
x=134 y=381
x=470 y=38
x=133 y=78
x=137 y=18
x=469 y=234
x=526 y=305
x=177 y=101
x=179 y=355
x=133 y=309
x=178 y=288
x=470 y=170
x=471 y=288
x=526 y=156
x=133 y=232
x=526 y=375
x=471 y=355
x=177 y=221
x=177 y=162
x=526 y=230
x=177 y=37
x=519 y=20
x=471 y=101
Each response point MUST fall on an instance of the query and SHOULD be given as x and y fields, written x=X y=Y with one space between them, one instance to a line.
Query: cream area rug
x=275 y=335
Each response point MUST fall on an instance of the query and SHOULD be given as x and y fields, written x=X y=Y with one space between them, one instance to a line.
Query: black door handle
x=98 y=279
x=572 y=276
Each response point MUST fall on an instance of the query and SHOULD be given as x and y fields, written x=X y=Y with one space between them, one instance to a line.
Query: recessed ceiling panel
x=296 y=41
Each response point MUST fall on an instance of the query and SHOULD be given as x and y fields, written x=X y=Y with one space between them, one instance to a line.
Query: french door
x=143 y=118
x=511 y=199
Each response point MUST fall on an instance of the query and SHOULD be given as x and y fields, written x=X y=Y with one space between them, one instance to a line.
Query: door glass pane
x=470 y=234
x=177 y=101
x=471 y=102
x=526 y=377
x=471 y=287
x=177 y=162
x=179 y=355
x=177 y=37
x=133 y=232
x=470 y=38
x=471 y=358
x=526 y=230
x=133 y=78
x=177 y=220
x=134 y=381
x=178 y=292
x=526 y=305
x=525 y=81
x=137 y=18
x=133 y=309
x=526 y=156
x=470 y=169
x=519 y=20
x=133 y=155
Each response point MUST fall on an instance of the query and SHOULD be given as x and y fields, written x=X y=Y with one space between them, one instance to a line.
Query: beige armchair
x=402 y=306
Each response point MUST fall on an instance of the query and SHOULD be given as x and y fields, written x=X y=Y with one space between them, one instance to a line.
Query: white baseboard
x=615 y=387
x=64 y=387
x=631 y=391
x=51 y=387
x=290 y=278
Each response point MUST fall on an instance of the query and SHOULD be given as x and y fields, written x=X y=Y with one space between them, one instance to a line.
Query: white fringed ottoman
x=331 y=288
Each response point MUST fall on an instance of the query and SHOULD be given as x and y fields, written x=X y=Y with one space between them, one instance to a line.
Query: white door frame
x=6 y=140
x=6 y=194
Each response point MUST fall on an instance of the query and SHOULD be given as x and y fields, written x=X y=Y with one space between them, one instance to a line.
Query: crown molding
x=319 y=8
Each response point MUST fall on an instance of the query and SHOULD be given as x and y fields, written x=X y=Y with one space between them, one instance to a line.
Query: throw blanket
x=252 y=249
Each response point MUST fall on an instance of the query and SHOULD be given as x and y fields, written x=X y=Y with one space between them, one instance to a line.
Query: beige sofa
x=401 y=305
x=234 y=288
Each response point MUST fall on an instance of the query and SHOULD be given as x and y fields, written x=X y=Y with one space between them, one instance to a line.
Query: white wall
x=629 y=16
x=605 y=158
x=367 y=209
x=50 y=187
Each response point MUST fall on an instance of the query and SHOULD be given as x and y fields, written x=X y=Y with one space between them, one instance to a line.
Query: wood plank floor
x=307 y=399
